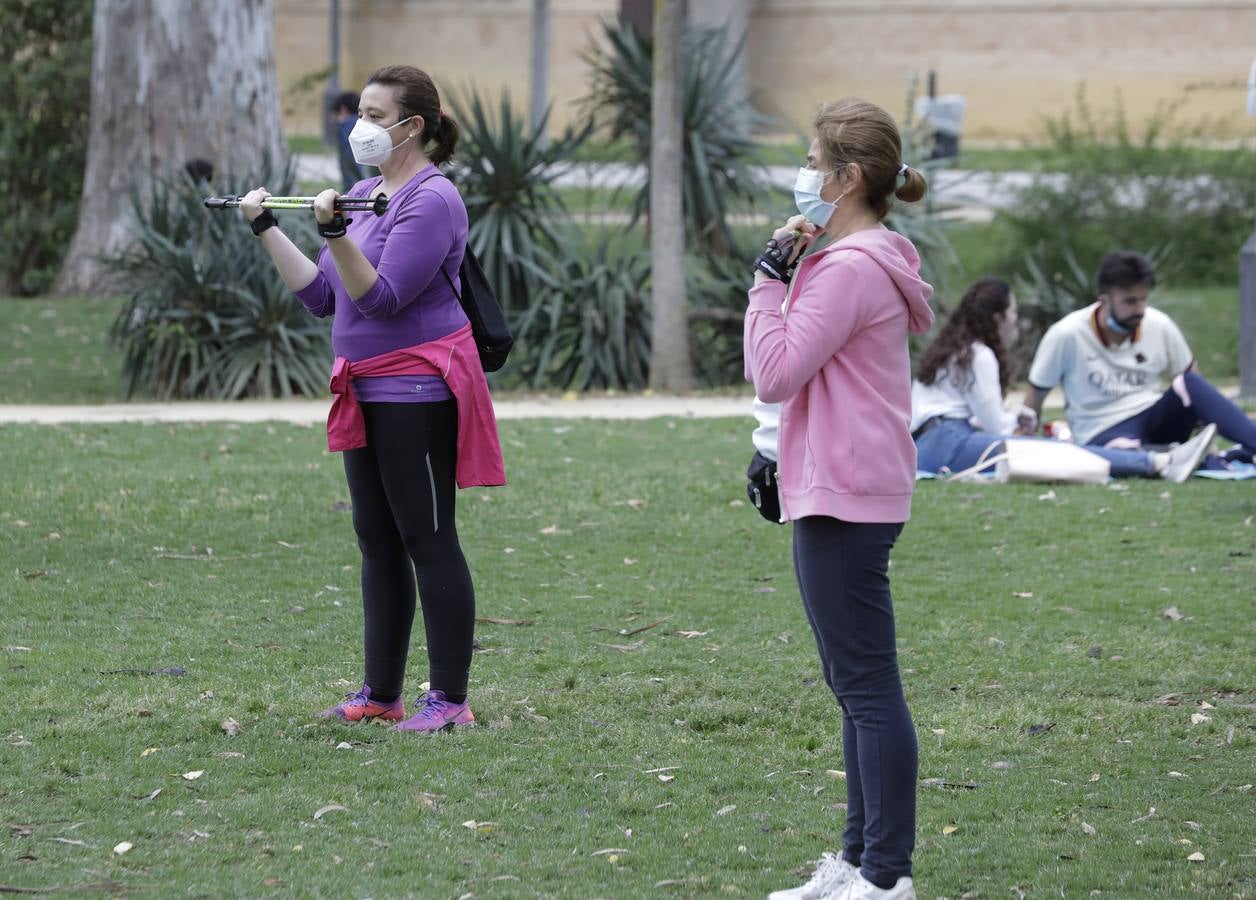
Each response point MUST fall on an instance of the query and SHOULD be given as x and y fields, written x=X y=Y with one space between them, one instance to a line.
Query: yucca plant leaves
x=721 y=165
x=209 y=316
x=506 y=171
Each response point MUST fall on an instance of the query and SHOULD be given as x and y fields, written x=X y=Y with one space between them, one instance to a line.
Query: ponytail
x=914 y=188
x=445 y=133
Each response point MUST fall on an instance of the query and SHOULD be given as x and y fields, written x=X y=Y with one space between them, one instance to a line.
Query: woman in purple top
x=381 y=278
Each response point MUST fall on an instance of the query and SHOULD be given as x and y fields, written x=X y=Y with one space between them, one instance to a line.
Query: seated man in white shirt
x=1110 y=359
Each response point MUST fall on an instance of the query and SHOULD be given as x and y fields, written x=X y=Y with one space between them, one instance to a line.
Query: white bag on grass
x=1034 y=460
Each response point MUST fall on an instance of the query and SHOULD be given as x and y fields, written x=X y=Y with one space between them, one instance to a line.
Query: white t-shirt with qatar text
x=1106 y=383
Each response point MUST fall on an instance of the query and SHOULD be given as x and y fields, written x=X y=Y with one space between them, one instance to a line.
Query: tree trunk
x=539 y=81
x=171 y=81
x=670 y=366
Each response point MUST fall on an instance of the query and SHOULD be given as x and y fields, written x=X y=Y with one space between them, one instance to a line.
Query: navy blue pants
x=1170 y=421
x=843 y=575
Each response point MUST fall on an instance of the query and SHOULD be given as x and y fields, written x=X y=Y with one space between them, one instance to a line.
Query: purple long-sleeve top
x=424 y=228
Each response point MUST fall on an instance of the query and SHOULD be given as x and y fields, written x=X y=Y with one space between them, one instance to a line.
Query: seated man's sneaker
x=860 y=888
x=1185 y=458
x=832 y=874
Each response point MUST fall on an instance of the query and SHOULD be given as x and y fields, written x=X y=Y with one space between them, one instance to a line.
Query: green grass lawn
x=57 y=351
x=657 y=632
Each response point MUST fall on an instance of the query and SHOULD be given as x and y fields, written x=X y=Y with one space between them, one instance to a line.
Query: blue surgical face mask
x=814 y=208
x=1115 y=324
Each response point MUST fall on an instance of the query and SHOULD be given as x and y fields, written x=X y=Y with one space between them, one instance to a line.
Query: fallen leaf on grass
x=1177 y=774
x=625 y=648
x=767 y=589
x=1088 y=828
x=950 y=829
x=1199 y=718
x=344 y=745
x=230 y=726
x=725 y=810
x=1035 y=730
x=1049 y=495
x=192 y=776
x=1173 y=614
x=550 y=529
x=230 y=754
x=835 y=773
x=660 y=769
x=479 y=826
x=177 y=671
x=1169 y=700
x=122 y=847
x=70 y=841
x=624 y=632
x=1024 y=595
x=607 y=850
x=429 y=801
x=1204 y=704
x=491 y=620
x=667 y=778
x=692 y=634
x=148 y=751
x=1196 y=857
x=1094 y=776
x=1151 y=813
x=943 y=783
x=636 y=504
x=331 y=807
x=1001 y=764
x=151 y=797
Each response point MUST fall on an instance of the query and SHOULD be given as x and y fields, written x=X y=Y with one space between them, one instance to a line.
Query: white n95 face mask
x=813 y=207
x=370 y=143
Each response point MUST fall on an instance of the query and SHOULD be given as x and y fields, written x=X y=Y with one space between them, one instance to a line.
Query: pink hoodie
x=837 y=361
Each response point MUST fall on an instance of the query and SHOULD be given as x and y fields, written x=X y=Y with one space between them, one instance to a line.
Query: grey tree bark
x=172 y=80
x=671 y=367
x=539 y=82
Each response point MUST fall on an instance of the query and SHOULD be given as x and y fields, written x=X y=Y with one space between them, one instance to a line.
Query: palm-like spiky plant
x=720 y=164
x=506 y=171
x=209 y=315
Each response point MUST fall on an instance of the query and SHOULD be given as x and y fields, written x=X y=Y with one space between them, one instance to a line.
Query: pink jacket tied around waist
x=454 y=358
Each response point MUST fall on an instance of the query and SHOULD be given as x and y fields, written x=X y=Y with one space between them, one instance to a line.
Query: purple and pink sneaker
x=437 y=714
x=359 y=706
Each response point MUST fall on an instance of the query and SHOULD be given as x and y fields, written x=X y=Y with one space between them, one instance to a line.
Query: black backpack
x=488 y=323
x=479 y=301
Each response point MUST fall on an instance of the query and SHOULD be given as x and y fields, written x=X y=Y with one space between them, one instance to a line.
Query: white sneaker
x=1185 y=458
x=860 y=888
x=832 y=874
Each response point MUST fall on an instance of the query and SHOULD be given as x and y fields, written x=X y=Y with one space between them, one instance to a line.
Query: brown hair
x=859 y=132
x=951 y=352
x=417 y=96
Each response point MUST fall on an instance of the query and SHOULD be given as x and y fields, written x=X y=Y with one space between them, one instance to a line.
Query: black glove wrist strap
x=336 y=228
x=261 y=223
x=774 y=261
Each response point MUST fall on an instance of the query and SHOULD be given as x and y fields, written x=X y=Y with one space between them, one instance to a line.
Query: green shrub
x=588 y=324
x=505 y=170
x=1122 y=187
x=209 y=315
x=45 y=80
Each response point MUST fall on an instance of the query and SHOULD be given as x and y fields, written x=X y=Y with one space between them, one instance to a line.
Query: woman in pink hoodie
x=827 y=339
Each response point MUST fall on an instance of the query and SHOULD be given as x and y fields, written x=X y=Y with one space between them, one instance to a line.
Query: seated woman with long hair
x=962 y=379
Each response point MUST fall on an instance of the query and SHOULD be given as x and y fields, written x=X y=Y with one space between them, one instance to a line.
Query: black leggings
x=402 y=487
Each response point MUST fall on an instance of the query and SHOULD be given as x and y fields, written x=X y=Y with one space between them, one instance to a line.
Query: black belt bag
x=761 y=487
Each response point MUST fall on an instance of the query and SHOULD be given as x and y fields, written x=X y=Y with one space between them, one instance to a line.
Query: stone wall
x=1015 y=60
